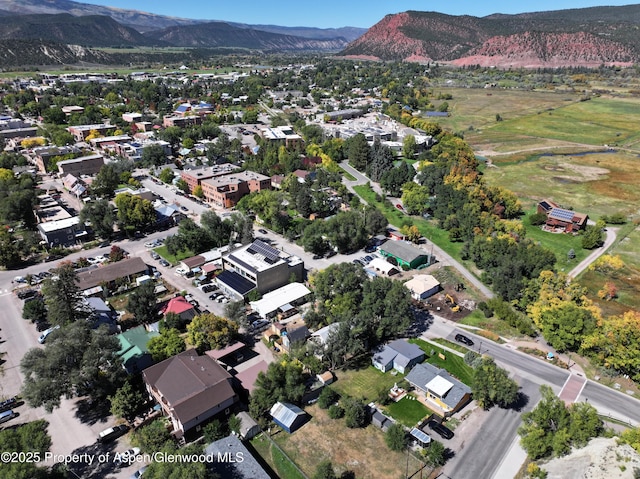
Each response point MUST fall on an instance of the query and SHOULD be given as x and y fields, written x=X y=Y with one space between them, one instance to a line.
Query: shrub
x=396 y=437
x=327 y=397
x=335 y=411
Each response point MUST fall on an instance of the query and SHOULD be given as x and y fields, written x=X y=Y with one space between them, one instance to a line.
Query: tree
x=134 y=213
x=415 y=198
x=236 y=311
x=75 y=362
x=327 y=397
x=35 y=310
x=324 y=470
x=166 y=175
x=116 y=254
x=566 y=324
x=106 y=182
x=127 y=401
x=153 y=155
x=197 y=192
x=593 y=235
x=28 y=438
x=183 y=186
x=208 y=331
x=152 y=437
x=358 y=151
x=492 y=385
x=396 y=437
x=284 y=381
x=355 y=413
x=142 y=303
x=101 y=215
x=615 y=343
x=63 y=298
x=167 y=344
x=435 y=454
x=215 y=430
x=409 y=146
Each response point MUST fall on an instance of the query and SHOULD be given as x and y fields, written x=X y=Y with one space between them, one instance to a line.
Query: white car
x=127 y=456
x=181 y=271
x=150 y=244
x=47 y=332
x=101 y=258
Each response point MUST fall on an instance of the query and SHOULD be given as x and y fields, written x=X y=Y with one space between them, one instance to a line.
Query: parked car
x=444 y=431
x=317 y=256
x=181 y=271
x=46 y=333
x=8 y=403
x=101 y=259
x=461 y=338
x=155 y=255
x=262 y=231
x=164 y=263
x=112 y=433
x=138 y=473
x=7 y=416
x=127 y=456
x=357 y=261
x=331 y=254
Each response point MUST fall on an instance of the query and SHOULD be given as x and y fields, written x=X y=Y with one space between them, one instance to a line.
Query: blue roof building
x=288 y=416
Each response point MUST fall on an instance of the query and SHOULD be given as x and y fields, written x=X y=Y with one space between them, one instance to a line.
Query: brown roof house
x=562 y=219
x=191 y=390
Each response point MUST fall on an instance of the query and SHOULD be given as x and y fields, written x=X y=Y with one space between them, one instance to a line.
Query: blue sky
x=333 y=13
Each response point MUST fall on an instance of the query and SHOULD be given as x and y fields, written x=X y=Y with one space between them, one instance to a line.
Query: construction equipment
x=450 y=300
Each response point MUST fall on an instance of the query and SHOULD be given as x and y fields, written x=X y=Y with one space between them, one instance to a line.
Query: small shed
x=288 y=416
x=326 y=378
x=248 y=426
x=423 y=438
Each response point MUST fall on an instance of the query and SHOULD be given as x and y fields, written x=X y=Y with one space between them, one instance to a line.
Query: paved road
x=595 y=254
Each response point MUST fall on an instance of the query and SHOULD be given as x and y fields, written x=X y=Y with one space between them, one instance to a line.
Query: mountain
x=140 y=21
x=94 y=30
x=222 y=34
x=576 y=37
x=21 y=53
x=348 y=33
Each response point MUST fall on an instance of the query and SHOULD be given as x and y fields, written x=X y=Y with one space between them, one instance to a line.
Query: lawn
x=408 y=411
x=365 y=383
x=162 y=251
x=453 y=363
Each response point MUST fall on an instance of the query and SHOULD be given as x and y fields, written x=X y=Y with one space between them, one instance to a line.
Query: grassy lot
x=364 y=383
x=559 y=243
x=477 y=319
x=453 y=363
x=362 y=451
x=597 y=184
x=162 y=251
x=407 y=411
x=455 y=346
x=276 y=460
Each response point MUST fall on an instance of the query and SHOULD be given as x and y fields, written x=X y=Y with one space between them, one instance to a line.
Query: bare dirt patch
x=362 y=451
x=603 y=458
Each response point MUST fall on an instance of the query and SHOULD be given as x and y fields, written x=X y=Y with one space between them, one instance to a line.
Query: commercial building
x=404 y=254
x=81 y=132
x=64 y=232
x=85 y=165
x=281 y=300
x=282 y=134
x=258 y=266
x=225 y=191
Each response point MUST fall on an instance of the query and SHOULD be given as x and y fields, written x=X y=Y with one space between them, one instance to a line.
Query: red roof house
x=179 y=306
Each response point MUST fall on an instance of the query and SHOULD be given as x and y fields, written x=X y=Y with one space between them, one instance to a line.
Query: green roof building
x=133 y=349
x=405 y=254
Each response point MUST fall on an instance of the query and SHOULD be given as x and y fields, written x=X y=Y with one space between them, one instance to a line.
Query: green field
x=364 y=383
x=162 y=251
x=274 y=457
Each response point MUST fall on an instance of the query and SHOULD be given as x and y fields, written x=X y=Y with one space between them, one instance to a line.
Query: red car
x=399 y=206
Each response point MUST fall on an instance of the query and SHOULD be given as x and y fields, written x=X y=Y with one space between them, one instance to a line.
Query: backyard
x=453 y=363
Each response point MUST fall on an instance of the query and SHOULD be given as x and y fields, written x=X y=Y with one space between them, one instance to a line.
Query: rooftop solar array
x=420 y=435
x=560 y=214
x=271 y=255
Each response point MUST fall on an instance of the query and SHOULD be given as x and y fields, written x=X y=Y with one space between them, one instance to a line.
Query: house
x=399 y=355
x=422 y=286
x=133 y=349
x=231 y=459
x=106 y=276
x=257 y=266
x=403 y=253
x=102 y=314
x=561 y=219
x=321 y=336
x=168 y=215
x=442 y=391
x=63 y=232
x=295 y=332
x=181 y=307
x=248 y=426
x=288 y=416
x=191 y=389
x=383 y=266
x=281 y=301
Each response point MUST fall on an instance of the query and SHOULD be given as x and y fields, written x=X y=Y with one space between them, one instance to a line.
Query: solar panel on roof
x=560 y=214
x=270 y=254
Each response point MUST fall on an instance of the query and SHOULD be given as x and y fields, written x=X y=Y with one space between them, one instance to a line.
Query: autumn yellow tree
x=615 y=343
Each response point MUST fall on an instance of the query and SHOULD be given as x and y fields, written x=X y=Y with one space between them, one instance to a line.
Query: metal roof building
x=288 y=416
